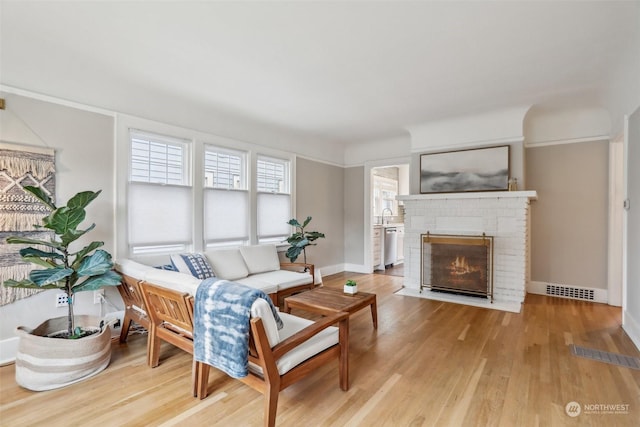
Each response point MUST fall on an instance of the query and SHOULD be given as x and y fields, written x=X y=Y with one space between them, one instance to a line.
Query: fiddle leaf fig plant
x=87 y=269
x=300 y=239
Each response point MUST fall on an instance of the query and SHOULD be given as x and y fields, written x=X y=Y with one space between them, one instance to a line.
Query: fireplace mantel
x=531 y=195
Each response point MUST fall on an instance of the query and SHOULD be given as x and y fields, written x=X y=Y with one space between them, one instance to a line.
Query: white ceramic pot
x=44 y=363
x=350 y=289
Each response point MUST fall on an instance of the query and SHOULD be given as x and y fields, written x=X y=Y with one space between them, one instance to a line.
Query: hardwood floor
x=429 y=363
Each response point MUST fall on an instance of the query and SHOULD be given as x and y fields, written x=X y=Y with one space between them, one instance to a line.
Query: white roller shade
x=226 y=215
x=159 y=214
x=274 y=211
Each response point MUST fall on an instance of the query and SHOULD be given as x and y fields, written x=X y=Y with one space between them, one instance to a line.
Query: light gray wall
x=569 y=219
x=354 y=215
x=83 y=142
x=320 y=194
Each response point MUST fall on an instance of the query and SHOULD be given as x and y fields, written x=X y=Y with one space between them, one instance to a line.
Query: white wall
x=83 y=142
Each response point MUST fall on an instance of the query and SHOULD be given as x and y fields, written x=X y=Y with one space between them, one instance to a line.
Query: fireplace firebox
x=459 y=264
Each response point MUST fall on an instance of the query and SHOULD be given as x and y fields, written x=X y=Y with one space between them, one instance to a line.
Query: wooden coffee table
x=323 y=300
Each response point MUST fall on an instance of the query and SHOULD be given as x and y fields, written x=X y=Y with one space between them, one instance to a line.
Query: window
x=157 y=159
x=224 y=168
x=226 y=197
x=272 y=175
x=273 y=199
x=159 y=195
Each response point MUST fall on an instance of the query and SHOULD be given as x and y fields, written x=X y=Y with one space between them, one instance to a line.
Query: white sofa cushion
x=260 y=308
x=260 y=258
x=281 y=279
x=175 y=280
x=257 y=283
x=227 y=264
x=132 y=268
x=314 y=345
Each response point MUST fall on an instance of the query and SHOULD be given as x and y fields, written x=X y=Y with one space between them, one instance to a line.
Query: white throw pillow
x=260 y=258
x=227 y=264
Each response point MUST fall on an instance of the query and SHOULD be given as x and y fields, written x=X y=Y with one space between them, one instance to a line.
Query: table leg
x=286 y=307
x=374 y=313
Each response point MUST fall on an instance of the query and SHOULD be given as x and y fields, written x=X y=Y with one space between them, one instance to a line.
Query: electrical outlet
x=97 y=296
x=62 y=300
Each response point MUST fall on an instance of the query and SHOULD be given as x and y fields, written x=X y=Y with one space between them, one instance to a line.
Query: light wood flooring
x=430 y=363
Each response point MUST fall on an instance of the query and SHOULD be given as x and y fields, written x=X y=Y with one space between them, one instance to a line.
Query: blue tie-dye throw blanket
x=222 y=313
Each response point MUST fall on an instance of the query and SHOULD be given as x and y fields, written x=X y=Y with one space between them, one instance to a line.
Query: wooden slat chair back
x=134 y=306
x=171 y=320
x=271 y=382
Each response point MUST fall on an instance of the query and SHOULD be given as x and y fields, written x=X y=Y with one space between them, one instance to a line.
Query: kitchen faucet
x=390 y=214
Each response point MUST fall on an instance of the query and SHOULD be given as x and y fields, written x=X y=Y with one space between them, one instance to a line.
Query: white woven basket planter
x=44 y=363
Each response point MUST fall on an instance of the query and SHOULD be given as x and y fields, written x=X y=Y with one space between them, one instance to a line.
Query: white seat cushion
x=227 y=264
x=260 y=258
x=284 y=279
x=314 y=345
x=256 y=282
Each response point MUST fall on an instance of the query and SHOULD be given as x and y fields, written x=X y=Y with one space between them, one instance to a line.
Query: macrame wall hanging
x=20 y=166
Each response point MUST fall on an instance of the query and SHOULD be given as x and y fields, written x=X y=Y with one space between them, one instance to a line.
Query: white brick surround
x=504 y=215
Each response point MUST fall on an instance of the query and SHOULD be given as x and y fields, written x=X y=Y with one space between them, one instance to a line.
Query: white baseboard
x=632 y=327
x=8 y=350
x=356 y=268
x=331 y=269
x=540 y=288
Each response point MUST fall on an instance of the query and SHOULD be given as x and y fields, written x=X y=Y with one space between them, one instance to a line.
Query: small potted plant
x=351 y=287
x=300 y=239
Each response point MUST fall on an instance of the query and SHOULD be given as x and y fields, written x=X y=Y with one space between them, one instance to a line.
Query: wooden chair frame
x=132 y=296
x=278 y=301
x=171 y=320
x=270 y=383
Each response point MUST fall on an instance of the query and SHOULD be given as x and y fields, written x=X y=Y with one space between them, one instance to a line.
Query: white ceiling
x=333 y=71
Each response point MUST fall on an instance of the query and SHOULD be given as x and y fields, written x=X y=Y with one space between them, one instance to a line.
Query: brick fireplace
x=502 y=215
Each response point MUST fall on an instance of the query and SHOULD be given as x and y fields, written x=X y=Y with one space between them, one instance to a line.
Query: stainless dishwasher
x=390 y=245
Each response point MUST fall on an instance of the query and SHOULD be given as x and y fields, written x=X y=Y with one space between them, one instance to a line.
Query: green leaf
x=49 y=276
x=41 y=195
x=314 y=235
x=294 y=222
x=28 y=284
x=73 y=235
x=110 y=278
x=293 y=253
x=43 y=262
x=96 y=264
x=81 y=200
x=306 y=222
x=25 y=241
x=64 y=219
x=302 y=243
x=33 y=252
x=84 y=252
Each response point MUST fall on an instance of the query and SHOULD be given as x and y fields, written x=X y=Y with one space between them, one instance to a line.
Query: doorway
x=387 y=217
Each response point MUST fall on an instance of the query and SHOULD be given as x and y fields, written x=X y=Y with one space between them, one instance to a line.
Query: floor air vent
x=569 y=292
x=606 y=357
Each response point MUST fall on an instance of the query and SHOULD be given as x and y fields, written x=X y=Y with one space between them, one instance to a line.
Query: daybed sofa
x=257 y=266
